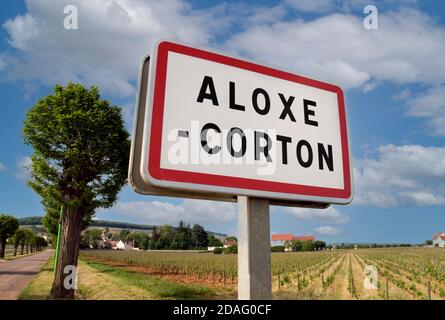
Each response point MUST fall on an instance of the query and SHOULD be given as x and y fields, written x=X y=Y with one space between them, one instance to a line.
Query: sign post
x=209 y=126
x=254 y=271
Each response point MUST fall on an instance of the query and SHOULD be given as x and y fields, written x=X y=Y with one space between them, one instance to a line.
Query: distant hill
x=37 y=221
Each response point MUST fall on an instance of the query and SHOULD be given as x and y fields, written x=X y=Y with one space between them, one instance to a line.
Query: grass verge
x=97 y=281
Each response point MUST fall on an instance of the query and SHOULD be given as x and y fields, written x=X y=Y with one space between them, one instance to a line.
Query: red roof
x=439 y=235
x=305 y=238
x=282 y=237
x=290 y=237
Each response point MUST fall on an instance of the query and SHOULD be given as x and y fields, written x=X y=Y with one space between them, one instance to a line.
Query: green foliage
x=217 y=250
x=199 y=237
x=231 y=250
x=8 y=226
x=277 y=249
x=123 y=234
x=81 y=151
x=213 y=242
x=182 y=238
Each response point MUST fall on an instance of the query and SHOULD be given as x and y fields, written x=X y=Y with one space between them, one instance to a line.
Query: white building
x=439 y=240
x=123 y=246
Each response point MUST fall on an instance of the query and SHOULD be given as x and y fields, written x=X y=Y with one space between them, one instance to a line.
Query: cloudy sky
x=393 y=77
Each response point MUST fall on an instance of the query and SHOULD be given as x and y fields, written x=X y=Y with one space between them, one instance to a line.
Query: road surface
x=16 y=274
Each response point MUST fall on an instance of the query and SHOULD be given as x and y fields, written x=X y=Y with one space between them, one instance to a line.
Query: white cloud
x=330 y=214
x=327 y=230
x=190 y=211
x=338 y=49
x=114 y=35
x=23 y=167
x=411 y=174
x=2 y=167
x=112 y=38
x=431 y=106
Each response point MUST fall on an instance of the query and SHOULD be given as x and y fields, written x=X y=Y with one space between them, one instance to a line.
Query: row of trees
x=366 y=245
x=23 y=238
x=309 y=245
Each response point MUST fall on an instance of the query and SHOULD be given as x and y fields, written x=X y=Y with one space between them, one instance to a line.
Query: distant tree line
x=164 y=237
x=368 y=245
x=23 y=238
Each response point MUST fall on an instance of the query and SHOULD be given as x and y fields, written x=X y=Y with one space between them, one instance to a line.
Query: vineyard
x=389 y=273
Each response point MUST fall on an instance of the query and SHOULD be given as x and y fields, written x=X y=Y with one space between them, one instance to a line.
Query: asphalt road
x=16 y=274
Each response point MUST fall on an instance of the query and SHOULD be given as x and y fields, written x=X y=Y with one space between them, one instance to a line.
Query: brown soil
x=209 y=281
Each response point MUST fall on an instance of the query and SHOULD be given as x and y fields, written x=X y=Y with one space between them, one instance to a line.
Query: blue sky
x=393 y=79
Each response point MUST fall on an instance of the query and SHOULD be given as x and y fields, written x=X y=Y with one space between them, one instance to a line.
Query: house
x=123 y=246
x=439 y=240
x=230 y=243
x=287 y=238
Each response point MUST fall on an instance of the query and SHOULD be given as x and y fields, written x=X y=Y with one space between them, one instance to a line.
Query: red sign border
x=158 y=173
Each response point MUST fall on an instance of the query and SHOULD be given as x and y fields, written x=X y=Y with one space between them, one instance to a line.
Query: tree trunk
x=68 y=252
x=15 y=250
x=27 y=248
x=22 y=247
x=2 y=247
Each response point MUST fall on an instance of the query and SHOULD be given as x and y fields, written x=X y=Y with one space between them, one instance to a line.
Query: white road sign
x=217 y=125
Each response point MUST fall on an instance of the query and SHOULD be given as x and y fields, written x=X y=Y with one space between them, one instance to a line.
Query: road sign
x=218 y=127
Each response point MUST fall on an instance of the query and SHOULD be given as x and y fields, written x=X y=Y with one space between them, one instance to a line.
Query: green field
x=402 y=274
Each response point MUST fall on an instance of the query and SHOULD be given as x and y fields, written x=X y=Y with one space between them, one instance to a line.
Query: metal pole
x=254 y=270
x=59 y=234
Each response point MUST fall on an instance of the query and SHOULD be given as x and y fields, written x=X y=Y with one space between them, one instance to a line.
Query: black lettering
x=255 y=94
x=287 y=104
x=242 y=151
x=207 y=82
x=204 y=143
x=262 y=149
x=284 y=141
x=327 y=156
x=308 y=112
x=232 y=104
x=310 y=156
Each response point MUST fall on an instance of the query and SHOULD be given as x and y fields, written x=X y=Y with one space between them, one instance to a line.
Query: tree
x=199 y=237
x=296 y=245
x=91 y=237
x=123 y=234
x=18 y=239
x=80 y=161
x=166 y=234
x=145 y=241
x=319 y=245
x=182 y=238
x=213 y=242
x=29 y=238
x=308 y=245
x=8 y=225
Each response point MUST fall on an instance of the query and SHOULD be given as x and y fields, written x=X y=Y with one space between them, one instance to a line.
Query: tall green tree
x=18 y=240
x=80 y=161
x=123 y=234
x=199 y=237
x=8 y=225
x=182 y=238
